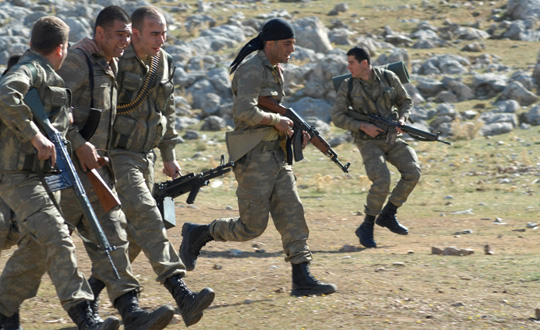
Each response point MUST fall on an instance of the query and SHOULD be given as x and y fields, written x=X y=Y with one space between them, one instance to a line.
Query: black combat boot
x=83 y=317
x=304 y=284
x=194 y=237
x=2 y=319
x=136 y=318
x=11 y=323
x=97 y=286
x=365 y=232
x=191 y=305
x=388 y=219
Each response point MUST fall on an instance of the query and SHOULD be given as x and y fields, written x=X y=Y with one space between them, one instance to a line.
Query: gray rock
x=213 y=123
x=516 y=91
x=311 y=33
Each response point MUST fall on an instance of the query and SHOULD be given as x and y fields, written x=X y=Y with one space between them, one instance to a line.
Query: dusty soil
x=399 y=285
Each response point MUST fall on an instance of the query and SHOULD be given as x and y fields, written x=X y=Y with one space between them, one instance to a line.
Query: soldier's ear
x=99 y=32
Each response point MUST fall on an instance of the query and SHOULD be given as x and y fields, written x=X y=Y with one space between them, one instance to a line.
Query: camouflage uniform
x=136 y=134
x=45 y=244
x=9 y=231
x=266 y=184
x=384 y=96
x=75 y=71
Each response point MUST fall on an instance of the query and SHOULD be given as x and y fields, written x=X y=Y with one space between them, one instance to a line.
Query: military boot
x=11 y=323
x=83 y=317
x=194 y=237
x=388 y=219
x=135 y=318
x=97 y=286
x=2 y=319
x=304 y=284
x=365 y=232
x=191 y=305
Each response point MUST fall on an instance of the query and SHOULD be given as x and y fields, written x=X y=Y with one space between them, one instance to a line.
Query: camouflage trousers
x=145 y=227
x=45 y=245
x=9 y=231
x=266 y=185
x=113 y=224
x=375 y=154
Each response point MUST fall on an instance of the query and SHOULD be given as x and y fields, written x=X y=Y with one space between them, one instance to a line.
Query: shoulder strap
x=91 y=78
x=33 y=71
x=349 y=91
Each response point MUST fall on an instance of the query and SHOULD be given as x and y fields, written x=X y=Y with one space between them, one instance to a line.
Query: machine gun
x=165 y=192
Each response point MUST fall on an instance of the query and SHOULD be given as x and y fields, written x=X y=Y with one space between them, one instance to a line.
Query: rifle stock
x=301 y=125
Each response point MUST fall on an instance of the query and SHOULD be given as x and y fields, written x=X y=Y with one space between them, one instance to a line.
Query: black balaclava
x=274 y=29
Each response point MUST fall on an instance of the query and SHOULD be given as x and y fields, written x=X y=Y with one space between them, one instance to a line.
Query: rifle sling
x=94 y=115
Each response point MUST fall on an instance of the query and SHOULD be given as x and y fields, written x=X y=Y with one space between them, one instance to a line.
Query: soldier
x=266 y=184
x=377 y=91
x=45 y=244
x=145 y=120
x=92 y=80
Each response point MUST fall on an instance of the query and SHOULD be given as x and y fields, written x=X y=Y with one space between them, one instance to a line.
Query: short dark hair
x=141 y=13
x=108 y=15
x=47 y=33
x=360 y=54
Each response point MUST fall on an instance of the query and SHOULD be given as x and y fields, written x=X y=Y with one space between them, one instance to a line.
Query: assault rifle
x=390 y=126
x=67 y=176
x=301 y=125
x=165 y=192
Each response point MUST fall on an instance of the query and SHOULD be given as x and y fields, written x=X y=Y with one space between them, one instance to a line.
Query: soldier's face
x=357 y=69
x=279 y=51
x=149 y=40
x=114 y=39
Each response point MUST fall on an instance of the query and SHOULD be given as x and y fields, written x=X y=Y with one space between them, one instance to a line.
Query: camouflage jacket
x=76 y=73
x=16 y=126
x=383 y=95
x=151 y=124
x=253 y=78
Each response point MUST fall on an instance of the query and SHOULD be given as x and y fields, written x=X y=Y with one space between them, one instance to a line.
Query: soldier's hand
x=171 y=169
x=44 y=147
x=86 y=44
x=371 y=129
x=401 y=123
x=88 y=157
x=305 y=139
x=284 y=125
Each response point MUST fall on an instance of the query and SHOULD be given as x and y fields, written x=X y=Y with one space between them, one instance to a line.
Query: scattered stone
x=349 y=248
x=410 y=252
x=380 y=269
x=217 y=267
x=451 y=251
x=458 y=304
x=537 y=313
x=532 y=225
x=235 y=252
x=488 y=250
x=398 y=264
x=436 y=250
x=280 y=290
